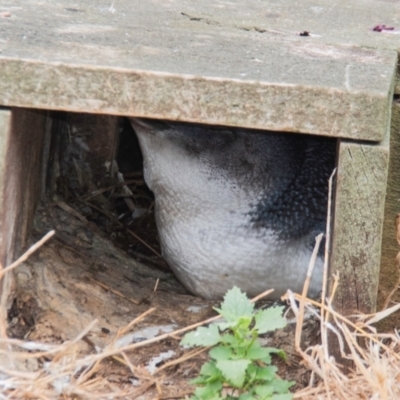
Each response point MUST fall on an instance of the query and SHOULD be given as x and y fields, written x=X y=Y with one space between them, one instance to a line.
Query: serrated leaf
x=236 y=305
x=264 y=391
x=224 y=325
x=230 y=340
x=269 y=320
x=234 y=371
x=209 y=369
x=274 y=388
x=243 y=323
x=220 y=353
x=203 y=336
x=256 y=352
x=209 y=392
x=266 y=373
x=251 y=371
x=281 y=386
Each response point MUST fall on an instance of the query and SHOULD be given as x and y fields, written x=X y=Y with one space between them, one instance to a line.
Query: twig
x=132 y=346
x=97 y=192
x=26 y=255
x=299 y=325
x=185 y=357
x=122 y=226
x=116 y=292
x=325 y=318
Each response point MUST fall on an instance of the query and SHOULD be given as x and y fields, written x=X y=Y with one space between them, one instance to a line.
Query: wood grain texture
x=21 y=140
x=358 y=219
x=389 y=272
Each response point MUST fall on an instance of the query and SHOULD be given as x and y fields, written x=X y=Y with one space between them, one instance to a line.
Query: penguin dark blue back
x=237 y=207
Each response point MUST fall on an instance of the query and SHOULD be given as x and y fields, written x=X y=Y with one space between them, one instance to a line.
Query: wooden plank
x=224 y=63
x=358 y=219
x=389 y=273
x=21 y=140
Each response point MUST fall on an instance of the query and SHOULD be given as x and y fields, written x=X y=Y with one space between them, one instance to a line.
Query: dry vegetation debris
x=38 y=370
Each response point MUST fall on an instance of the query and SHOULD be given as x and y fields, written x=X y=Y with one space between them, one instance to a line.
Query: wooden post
x=389 y=273
x=21 y=141
x=357 y=226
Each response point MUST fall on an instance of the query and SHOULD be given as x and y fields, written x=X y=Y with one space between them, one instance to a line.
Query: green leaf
x=264 y=391
x=281 y=386
x=203 y=336
x=208 y=373
x=209 y=369
x=251 y=373
x=200 y=380
x=261 y=375
x=266 y=373
x=230 y=340
x=235 y=361
x=220 y=353
x=269 y=320
x=277 y=386
x=241 y=323
x=256 y=352
x=233 y=371
x=209 y=392
x=224 y=325
x=236 y=305
x=287 y=396
x=272 y=350
x=246 y=396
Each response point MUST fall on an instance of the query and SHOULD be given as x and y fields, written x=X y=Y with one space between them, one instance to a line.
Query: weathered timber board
x=359 y=204
x=230 y=63
x=389 y=272
x=21 y=141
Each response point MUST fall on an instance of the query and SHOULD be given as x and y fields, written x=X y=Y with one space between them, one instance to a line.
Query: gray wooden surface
x=389 y=273
x=358 y=219
x=234 y=63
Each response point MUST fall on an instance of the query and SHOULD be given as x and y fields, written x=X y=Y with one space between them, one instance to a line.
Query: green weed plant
x=240 y=368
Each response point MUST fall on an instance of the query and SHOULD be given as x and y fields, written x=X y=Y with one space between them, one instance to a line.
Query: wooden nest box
x=306 y=67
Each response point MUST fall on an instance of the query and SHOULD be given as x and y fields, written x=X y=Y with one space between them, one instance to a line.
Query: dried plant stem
x=299 y=326
x=26 y=255
x=347 y=321
x=185 y=357
x=130 y=347
x=325 y=318
x=116 y=292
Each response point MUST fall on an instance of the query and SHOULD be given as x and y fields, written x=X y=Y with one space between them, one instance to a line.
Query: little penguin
x=236 y=206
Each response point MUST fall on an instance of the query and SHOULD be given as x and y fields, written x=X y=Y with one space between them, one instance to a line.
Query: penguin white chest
x=233 y=207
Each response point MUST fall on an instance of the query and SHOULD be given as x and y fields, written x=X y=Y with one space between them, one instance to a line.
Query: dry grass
x=376 y=372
